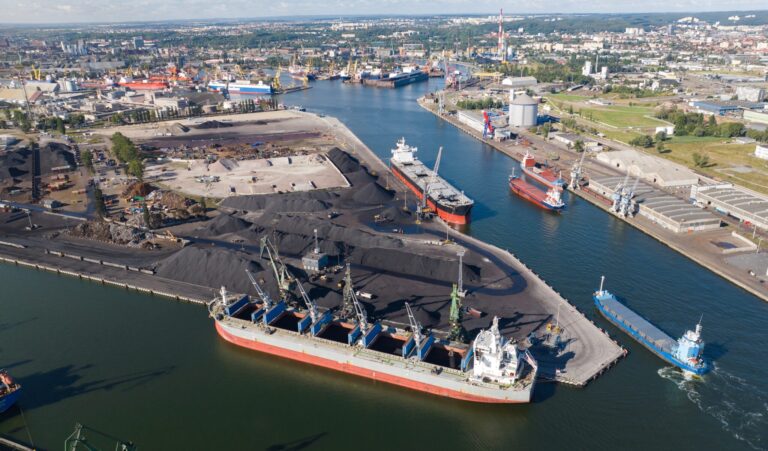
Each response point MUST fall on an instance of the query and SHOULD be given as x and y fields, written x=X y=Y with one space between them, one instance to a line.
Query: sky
x=67 y=11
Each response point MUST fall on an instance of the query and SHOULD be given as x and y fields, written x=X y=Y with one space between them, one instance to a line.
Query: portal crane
x=454 y=320
x=284 y=280
x=348 y=308
x=415 y=327
x=263 y=295
x=576 y=172
x=311 y=305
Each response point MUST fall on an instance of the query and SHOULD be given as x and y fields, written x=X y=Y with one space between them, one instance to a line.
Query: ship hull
x=345 y=361
x=532 y=194
x=637 y=336
x=144 y=86
x=255 y=90
x=546 y=177
x=453 y=215
x=7 y=401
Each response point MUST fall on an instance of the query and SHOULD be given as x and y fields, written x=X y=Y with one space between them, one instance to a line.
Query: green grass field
x=622 y=116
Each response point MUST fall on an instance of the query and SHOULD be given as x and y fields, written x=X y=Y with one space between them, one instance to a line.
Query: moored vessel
x=240 y=87
x=491 y=370
x=686 y=353
x=450 y=204
x=540 y=172
x=10 y=390
x=549 y=200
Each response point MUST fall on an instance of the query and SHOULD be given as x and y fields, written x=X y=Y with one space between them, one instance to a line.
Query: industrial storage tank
x=523 y=111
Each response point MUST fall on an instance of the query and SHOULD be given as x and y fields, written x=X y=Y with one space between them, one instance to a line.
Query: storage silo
x=523 y=111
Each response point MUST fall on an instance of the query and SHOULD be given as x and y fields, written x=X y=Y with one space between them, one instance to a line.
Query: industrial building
x=519 y=82
x=523 y=111
x=756 y=116
x=750 y=93
x=649 y=168
x=723 y=107
x=668 y=211
x=744 y=205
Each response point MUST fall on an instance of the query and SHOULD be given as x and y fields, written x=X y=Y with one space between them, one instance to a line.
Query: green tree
x=545 y=129
x=87 y=158
x=578 y=146
x=98 y=199
x=642 y=141
x=60 y=126
x=661 y=136
x=136 y=169
x=699 y=160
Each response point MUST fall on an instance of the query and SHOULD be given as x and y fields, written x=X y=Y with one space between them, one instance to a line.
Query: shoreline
x=593 y=198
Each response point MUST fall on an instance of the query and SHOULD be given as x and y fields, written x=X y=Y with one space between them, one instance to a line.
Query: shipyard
x=410 y=228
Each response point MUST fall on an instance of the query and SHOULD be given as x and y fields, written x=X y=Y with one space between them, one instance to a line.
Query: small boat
x=9 y=391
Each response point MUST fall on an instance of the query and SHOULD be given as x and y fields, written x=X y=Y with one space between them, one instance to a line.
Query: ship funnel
x=602 y=281
x=223 y=295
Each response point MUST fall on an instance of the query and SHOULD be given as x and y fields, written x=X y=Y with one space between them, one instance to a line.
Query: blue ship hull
x=233 y=89
x=7 y=401
x=641 y=335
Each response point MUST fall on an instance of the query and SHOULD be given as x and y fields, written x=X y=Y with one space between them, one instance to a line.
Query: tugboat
x=550 y=200
x=9 y=391
x=685 y=353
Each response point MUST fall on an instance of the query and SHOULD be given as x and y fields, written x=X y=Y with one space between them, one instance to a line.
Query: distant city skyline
x=68 y=11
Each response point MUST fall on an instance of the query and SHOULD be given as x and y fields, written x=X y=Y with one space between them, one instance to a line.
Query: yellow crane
x=276 y=79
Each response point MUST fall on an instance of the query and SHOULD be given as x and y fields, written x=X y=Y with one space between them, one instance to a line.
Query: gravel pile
x=108 y=232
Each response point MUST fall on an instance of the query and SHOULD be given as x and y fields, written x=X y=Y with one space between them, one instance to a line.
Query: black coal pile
x=372 y=194
x=395 y=214
x=15 y=164
x=223 y=224
x=403 y=262
x=210 y=267
x=212 y=124
x=295 y=235
x=344 y=161
x=55 y=155
x=311 y=202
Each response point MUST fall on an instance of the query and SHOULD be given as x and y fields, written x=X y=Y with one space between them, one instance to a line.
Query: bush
x=642 y=141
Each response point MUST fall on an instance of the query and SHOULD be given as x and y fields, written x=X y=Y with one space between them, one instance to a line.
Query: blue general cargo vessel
x=9 y=391
x=685 y=353
x=240 y=87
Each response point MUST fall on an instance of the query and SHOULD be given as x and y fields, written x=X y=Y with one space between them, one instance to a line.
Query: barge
x=685 y=353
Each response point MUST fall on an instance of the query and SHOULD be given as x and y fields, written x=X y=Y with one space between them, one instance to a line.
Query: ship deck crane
x=284 y=280
x=263 y=295
x=454 y=320
x=418 y=337
x=423 y=209
x=311 y=305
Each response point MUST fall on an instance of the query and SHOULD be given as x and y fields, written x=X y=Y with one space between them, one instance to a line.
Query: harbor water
x=154 y=371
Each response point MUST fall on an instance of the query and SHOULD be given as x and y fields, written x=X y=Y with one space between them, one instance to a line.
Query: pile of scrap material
x=109 y=232
x=141 y=189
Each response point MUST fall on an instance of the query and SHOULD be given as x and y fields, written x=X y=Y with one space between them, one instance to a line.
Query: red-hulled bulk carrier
x=549 y=200
x=492 y=369
x=541 y=173
x=450 y=204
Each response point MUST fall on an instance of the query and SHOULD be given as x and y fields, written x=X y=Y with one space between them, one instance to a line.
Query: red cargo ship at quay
x=541 y=173
x=549 y=200
x=450 y=204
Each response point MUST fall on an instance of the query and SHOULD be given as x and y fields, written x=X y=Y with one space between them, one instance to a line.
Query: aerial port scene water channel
x=357 y=262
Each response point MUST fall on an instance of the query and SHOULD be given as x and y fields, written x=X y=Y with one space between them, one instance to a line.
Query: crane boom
x=432 y=179
x=263 y=295
x=415 y=326
x=362 y=320
x=311 y=306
